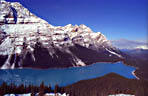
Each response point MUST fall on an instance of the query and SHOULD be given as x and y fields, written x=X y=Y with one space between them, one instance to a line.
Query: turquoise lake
x=64 y=76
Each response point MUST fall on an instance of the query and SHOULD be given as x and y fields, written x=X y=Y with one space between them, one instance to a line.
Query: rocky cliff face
x=28 y=41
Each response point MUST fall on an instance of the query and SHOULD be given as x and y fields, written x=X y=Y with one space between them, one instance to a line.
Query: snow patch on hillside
x=121 y=95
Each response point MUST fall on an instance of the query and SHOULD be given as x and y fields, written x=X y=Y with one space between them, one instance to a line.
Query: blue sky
x=114 y=18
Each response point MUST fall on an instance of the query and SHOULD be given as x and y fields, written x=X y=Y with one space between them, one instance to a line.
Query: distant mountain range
x=27 y=41
x=129 y=44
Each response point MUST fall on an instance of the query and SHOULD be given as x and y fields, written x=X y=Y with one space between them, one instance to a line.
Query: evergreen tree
x=21 y=89
x=62 y=90
x=41 y=89
x=32 y=90
x=49 y=89
x=4 y=88
x=12 y=88
x=56 y=90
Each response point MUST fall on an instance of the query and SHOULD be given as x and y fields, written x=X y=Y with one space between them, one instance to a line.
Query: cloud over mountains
x=129 y=44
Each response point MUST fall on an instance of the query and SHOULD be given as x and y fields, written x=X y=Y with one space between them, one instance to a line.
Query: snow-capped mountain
x=29 y=41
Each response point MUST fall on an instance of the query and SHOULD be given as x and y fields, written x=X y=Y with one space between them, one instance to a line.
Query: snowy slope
x=28 y=41
x=121 y=95
x=29 y=94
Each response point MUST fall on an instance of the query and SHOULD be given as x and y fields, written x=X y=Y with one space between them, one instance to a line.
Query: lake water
x=64 y=76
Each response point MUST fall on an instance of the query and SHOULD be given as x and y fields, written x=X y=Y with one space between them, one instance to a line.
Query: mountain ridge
x=108 y=84
x=25 y=39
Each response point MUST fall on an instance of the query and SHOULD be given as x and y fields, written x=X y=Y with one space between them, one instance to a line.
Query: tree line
x=33 y=89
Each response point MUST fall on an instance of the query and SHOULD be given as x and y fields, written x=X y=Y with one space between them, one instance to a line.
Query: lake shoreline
x=71 y=75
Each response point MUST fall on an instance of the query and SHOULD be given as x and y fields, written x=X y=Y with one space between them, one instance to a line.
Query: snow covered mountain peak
x=22 y=34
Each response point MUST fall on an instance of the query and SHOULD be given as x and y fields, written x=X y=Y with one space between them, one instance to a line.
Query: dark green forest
x=102 y=86
x=22 y=89
x=106 y=85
